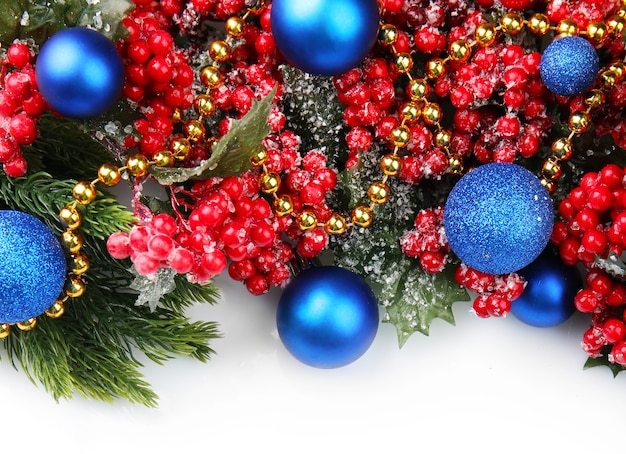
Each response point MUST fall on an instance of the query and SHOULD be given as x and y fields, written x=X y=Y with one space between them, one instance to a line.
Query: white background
x=487 y=386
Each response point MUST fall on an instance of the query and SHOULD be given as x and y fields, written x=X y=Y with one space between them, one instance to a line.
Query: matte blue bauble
x=324 y=37
x=498 y=218
x=548 y=299
x=32 y=267
x=80 y=73
x=569 y=66
x=327 y=317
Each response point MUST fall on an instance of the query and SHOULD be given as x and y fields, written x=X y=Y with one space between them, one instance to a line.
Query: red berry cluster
x=605 y=299
x=158 y=75
x=593 y=224
x=427 y=242
x=229 y=221
x=494 y=292
x=430 y=22
x=503 y=74
x=592 y=217
x=21 y=106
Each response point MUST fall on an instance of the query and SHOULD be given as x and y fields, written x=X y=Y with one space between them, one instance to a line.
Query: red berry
x=614 y=330
x=145 y=264
x=160 y=246
x=234 y=233
x=587 y=301
x=480 y=306
x=498 y=305
x=159 y=70
x=160 y=42
x=618 y=354
x=19 y=55
x=138 y=51
x=594 y=242
x=257 y=284
x=263 y=234
x=117 y=245
x=23 y=128
x=214 y=262
x=181 y=260
x=15 y=167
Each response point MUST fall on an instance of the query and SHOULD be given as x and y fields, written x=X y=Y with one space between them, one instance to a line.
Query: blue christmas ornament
x=327 y=317
x=569 y=66
x=324 y=37
x=498 y=218
x=80 y=73
x=548 y=299
x=32 y=267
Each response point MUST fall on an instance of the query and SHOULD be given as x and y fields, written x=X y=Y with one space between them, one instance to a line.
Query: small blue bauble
x=498 y=218
x=569 y=66
x=324 y=37
x=327 y=317
x=32 y=267
x=548 y=299
x=80 y=73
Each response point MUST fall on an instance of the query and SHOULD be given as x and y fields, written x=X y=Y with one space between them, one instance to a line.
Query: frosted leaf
x=152 y=289
x=613 y=265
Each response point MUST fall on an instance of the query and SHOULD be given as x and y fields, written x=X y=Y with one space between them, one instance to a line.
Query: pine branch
x=43 y=196
x=92 y=349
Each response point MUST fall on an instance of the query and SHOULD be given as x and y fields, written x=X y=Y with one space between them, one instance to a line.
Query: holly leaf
x=10 y=16
x=231 y=154
x=603 y=360
x=151 y=290
x=39 y=19
x=106 y=17
x=416 y=298
x=612 y=264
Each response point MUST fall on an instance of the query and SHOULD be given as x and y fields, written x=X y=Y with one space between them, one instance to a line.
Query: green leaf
x=11 y=12
x=603 y=360
x=415 y=298
x=151 y=290
x=39 y=19
x=612 y=264
x=231 y=154
x=106 y=17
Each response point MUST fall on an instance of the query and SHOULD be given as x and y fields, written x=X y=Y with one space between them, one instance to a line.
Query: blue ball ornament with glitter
x=498 y=218
x=569 y=65
x=548 y=298
x=327 y=317
x=324 y=37
x=32 y=267
x=80 y=73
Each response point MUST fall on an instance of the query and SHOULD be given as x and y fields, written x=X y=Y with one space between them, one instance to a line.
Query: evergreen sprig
x=94 y=348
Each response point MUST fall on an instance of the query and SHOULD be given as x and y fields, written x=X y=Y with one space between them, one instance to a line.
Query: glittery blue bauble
x=324 y=37
x=327 y=317
x=548 y=299
x=32 y=267
x=569 y=66
x=498 y=218
x=80 y=73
